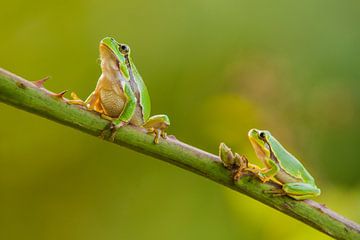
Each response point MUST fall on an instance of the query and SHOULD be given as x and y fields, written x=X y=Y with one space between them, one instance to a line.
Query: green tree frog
x=120 y=94
x=281 y=166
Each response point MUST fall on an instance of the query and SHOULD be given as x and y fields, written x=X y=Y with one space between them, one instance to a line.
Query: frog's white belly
x=112 y=103
x=111 y=94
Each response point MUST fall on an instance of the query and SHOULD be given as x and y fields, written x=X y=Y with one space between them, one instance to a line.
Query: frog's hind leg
x=301 y=191
x=156 y=132
x=157 y=125
x=93 y=103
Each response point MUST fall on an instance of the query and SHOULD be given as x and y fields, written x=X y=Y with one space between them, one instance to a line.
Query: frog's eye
x=262 y=135
x=124 y=49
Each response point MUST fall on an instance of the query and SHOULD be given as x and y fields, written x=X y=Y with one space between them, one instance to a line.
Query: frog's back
x=289 y=163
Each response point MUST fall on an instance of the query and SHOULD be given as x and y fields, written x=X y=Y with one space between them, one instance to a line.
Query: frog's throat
x=109 y=60
x=259 y=150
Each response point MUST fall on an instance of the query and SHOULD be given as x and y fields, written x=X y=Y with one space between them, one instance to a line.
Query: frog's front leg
x=157 y=125
x=127 y=113
x=76 y=100
x=267 y=173
x=92 y=103
x=301 y=191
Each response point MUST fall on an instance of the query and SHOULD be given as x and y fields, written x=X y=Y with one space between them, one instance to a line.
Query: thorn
x=40 y=83
x=60 y=94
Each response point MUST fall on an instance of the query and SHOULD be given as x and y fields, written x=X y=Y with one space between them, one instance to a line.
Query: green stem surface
x=31 y=97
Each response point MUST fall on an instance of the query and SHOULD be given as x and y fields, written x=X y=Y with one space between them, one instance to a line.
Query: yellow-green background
x=217 y=68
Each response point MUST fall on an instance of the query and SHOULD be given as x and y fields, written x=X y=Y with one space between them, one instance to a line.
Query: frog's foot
x=259 y=173
x=114 y=128
x=264 y=179
x=237 y=174
x=110 y=126
x=157 y=125
x=163 y=134
x=254 y=170
x=276 y=192
x=158 y=133
x=107 y=128
x=104 y=134
x=155 y=132
x=76 y=100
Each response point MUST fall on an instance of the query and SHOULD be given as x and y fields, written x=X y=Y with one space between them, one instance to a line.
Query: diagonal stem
x=31 y=97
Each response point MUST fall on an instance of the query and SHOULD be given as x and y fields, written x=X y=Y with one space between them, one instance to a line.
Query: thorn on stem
x=60 y=95
x=40 y=83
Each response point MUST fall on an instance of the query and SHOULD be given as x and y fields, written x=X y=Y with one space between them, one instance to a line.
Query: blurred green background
x=217 y=68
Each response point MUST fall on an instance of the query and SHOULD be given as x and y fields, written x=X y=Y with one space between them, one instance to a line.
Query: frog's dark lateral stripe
x=133 y=84
x=272 y=155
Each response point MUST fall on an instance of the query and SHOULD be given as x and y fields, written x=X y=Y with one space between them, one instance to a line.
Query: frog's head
x=115 y=53
x=259 y=140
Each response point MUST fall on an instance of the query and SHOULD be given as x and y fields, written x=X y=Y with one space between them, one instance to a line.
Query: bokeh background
x=217 y=68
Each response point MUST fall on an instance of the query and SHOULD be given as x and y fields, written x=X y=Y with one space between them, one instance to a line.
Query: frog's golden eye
x=124 y=49
x=262 y=135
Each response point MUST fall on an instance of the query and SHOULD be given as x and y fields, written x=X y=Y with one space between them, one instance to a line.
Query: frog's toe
x=105 y=131
x=113 y=133
x=238 y=173
x=156 y=139
x=114 y=128
x=163 y=134
x=276 y=192
x=75 y=100
x=157 y=134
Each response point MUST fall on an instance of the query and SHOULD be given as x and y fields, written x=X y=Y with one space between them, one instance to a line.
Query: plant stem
x=31 y=97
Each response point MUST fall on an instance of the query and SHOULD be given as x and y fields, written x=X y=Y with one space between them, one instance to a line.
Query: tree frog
x=281 y=166
x=120 y=94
